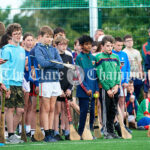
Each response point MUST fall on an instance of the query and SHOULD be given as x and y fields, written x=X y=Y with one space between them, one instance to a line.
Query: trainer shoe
x=141 y=128
x=108 y=136
x=117 y=128
x=58 y=137
x=14 y=139
x=115 y=136
x=50 y=139
x=67 y=137
x=130 y=131
x=28 y=134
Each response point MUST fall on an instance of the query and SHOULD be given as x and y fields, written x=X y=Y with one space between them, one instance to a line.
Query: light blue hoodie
x=13 y=69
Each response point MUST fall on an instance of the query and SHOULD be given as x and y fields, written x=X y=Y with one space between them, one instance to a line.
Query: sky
x=13 y=3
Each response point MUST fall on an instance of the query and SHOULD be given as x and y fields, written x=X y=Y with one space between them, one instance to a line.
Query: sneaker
x=67 y=137
x=50 y=139
x=108 y=136
x=141 y=128
x=128 y=130
x=115 y=136
x=14 y=139
x=18 y=136
x=58 y=137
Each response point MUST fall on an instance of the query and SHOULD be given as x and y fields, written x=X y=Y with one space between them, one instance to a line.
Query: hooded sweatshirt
x=13 y=69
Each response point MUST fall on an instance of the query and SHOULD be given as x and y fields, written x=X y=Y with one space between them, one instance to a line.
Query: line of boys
x=49 y=87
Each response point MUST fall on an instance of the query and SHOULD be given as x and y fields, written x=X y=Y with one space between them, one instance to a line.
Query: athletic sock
x=20 y=128
x=28 y=128
x=10 y=134
x=46 y=132
x=56 y=133
x=32 y=132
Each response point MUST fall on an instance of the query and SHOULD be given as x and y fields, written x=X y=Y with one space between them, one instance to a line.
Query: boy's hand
x=125 y=85
x=3 y=87
x=37 y=90
x=63 y=94
x=68 y=92
x=132 y=97
x=89 y=92
x=115 y=89
x=8 y=94
x=110 y=93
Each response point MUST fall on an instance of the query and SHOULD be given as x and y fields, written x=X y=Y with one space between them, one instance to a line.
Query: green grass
x=139 y=141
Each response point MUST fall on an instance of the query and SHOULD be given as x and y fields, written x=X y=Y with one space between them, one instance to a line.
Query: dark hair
x=127 y=37
x=58 y=30
x=94 y=43
x=4 y=40
x=2 y=28
x=76 y=41
x=118 y=39
x=99 y=47
x=60 y=39
x=27 y=34
x=45 y=30
x=131 y=81
x=85 y=38
x=13 y=27
x=107 y=38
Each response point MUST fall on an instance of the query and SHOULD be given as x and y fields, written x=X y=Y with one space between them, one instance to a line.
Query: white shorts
x=49 y=89
x=26 y=85
x=121 y=91
x=131 y=118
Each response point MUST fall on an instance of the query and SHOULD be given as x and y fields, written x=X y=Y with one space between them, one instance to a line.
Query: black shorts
x=32 y=89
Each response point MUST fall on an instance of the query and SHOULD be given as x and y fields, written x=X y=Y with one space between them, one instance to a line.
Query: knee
x=19 y=111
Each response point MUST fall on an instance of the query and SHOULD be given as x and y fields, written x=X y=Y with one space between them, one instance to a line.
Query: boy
x=48 y=79
x=89 y=86
x=125 y=70
x=143 y=113
x=108 y=72
x=13 y=78
x=135 y=64
x=61 y=44
x=131 y=104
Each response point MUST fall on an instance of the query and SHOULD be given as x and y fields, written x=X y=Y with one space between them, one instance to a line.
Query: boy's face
x=60 y=34
x=118 y=46
x=28 y=42
x=16 y=36
x=86 y=46
x=128 y=43
x=130 y=88
x=77 y=47
x=107 y=47
x=62 y=46
x=47 y=39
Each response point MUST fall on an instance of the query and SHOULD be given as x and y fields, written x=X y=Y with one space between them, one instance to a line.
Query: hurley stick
x=124 y=132
x=97 y=132
x=38 y=135
x=73 y=133
x=2 y=121
x=23 y=133
x=87 y=133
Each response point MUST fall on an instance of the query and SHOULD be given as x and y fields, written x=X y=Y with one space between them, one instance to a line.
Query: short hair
x=2 y=29
x=13 y=27
x=118 y=39
x=107 y=38
x=27 y=34
x=99 y=30
x=99 y=47
x=60 y=39
x=58 y=30
x=131 y=81
x=85 y=38
x=94 y=43
x=4 y=40
x=45 y=30
x=76 y=41
x=127 y=37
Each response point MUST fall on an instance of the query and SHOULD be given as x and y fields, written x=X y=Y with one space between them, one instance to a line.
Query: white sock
x=20 y=128
x=28 y=128
x=32 y=132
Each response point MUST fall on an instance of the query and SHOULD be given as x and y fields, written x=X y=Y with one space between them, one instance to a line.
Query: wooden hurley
x=87 y=133
x=38 y=135
x=124 y=132
x=134 y=115
x=2 y=121
x=73 y=133
x=23 y=133
x=97 y=131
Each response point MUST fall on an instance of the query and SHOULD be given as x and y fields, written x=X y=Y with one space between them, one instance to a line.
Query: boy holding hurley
x=48 y=79
x=108 y=72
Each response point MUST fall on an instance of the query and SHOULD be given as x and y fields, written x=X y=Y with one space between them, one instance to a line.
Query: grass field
x=139 y=141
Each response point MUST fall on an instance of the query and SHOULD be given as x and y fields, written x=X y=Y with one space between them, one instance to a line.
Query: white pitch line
x=74 y=143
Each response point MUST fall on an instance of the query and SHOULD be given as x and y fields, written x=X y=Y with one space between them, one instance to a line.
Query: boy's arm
x=5 y=68
x=58 y=58
x=83 y=84
x=44 y=63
